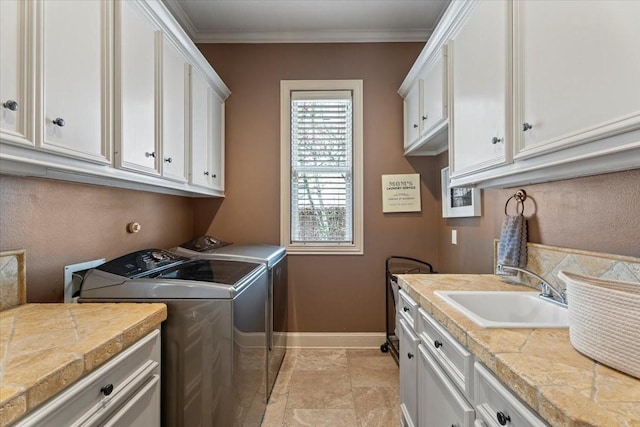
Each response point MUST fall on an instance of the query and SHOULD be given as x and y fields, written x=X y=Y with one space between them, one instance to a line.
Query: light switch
x=454 y=237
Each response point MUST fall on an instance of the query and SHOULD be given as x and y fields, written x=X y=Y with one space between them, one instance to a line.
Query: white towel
x=512 y=250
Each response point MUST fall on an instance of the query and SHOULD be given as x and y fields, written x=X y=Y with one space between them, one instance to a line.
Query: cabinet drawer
x=124 y=373
x=497 y=406
x=456 y=360
x=407 y=308
x=441 y=404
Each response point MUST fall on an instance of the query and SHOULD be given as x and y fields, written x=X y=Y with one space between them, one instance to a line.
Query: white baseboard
x=334 y=339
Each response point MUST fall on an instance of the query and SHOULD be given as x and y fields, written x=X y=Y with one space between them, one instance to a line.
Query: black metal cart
x=398 y=265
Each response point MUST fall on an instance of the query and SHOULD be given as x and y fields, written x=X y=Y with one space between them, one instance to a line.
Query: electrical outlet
x=454 y=237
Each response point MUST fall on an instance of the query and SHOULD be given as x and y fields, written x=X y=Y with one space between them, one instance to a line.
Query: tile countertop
x=539 y=365
x=46 y=347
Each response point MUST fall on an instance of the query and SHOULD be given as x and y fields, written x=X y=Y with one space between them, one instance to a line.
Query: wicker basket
x=604 y=320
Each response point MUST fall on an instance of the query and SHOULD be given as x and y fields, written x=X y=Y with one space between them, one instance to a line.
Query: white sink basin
x=498 y=309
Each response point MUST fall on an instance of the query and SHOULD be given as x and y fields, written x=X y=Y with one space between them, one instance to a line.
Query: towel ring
x=520 y=196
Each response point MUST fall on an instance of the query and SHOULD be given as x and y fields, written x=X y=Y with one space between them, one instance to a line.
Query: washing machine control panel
x=141 y=263
x=204 y=244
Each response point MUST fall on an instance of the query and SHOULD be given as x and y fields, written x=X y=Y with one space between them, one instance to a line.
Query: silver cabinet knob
x=168 y=160
x=214 y=176
x=150 y=154
x=526 y=126
x=11 y=105
x=206 y=173
x=495 y=140
x=415 y=126
x=59 y=121
x=425 y=117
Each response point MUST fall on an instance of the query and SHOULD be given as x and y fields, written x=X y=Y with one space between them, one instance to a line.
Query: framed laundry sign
x=459 y=201
x=401 y=193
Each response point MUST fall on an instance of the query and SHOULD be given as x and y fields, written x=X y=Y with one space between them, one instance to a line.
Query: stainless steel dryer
x=275 y=258
x=214 y=338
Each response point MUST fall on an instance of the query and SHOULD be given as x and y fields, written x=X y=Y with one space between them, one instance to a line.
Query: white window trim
x=325 y=248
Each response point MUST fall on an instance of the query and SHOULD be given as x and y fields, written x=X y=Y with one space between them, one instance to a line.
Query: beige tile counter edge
x=45 y=348
x=539 y=365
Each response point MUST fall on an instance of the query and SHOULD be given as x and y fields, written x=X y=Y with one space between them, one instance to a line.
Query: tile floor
x=335 y=387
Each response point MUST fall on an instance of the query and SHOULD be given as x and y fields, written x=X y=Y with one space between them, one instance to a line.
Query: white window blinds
x=321 y=166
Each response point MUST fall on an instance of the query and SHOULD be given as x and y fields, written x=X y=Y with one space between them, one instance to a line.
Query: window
x=321 y=166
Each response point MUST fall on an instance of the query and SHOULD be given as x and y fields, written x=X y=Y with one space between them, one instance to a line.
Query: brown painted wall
x=327 y=293
x=60 y=223
x=598 y=213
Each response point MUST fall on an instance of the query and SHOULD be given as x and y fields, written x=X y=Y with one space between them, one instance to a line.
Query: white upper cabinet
x=175 y=108
x=542 y=91
x=207 y=134
x=425 y=106
x=16 y=64
x=73 y=45
x=216 y=153
x=480 y=89
x=434 y=95
x=412 y=109
x=136 y=58
x=577 y=72
x=99 y=91
x=425 y=91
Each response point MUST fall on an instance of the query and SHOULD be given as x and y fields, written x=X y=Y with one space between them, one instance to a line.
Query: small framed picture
x=459 y=201
x=401 y=193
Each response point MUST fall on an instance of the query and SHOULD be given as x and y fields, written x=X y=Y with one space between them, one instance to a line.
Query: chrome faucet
x=547 y=291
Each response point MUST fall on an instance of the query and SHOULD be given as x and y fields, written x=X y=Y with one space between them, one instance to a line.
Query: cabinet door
x=216 y=147
x=412 y=114
x=408 y=374
x=136 y=51
x=142 y=409
x=434 y=96
x=200 y=131
x=577 y=72
x=15 y=72
x=74 y=54
x=174 y=112
x=481 y=89
x=440 y=404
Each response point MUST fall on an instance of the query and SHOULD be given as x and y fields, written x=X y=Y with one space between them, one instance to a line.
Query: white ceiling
x=296 y=21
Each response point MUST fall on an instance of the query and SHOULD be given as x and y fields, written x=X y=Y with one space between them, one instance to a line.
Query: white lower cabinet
x=441 y=385
x=497 y=406
x=125 y=391
x=441 y=404
x=408 y=374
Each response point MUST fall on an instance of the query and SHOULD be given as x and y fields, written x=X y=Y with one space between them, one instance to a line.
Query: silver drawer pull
x=526 y=126
x=410 y=355
x=150 y=154
x=405 y=309
x=437 y=344
x=59 y=122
